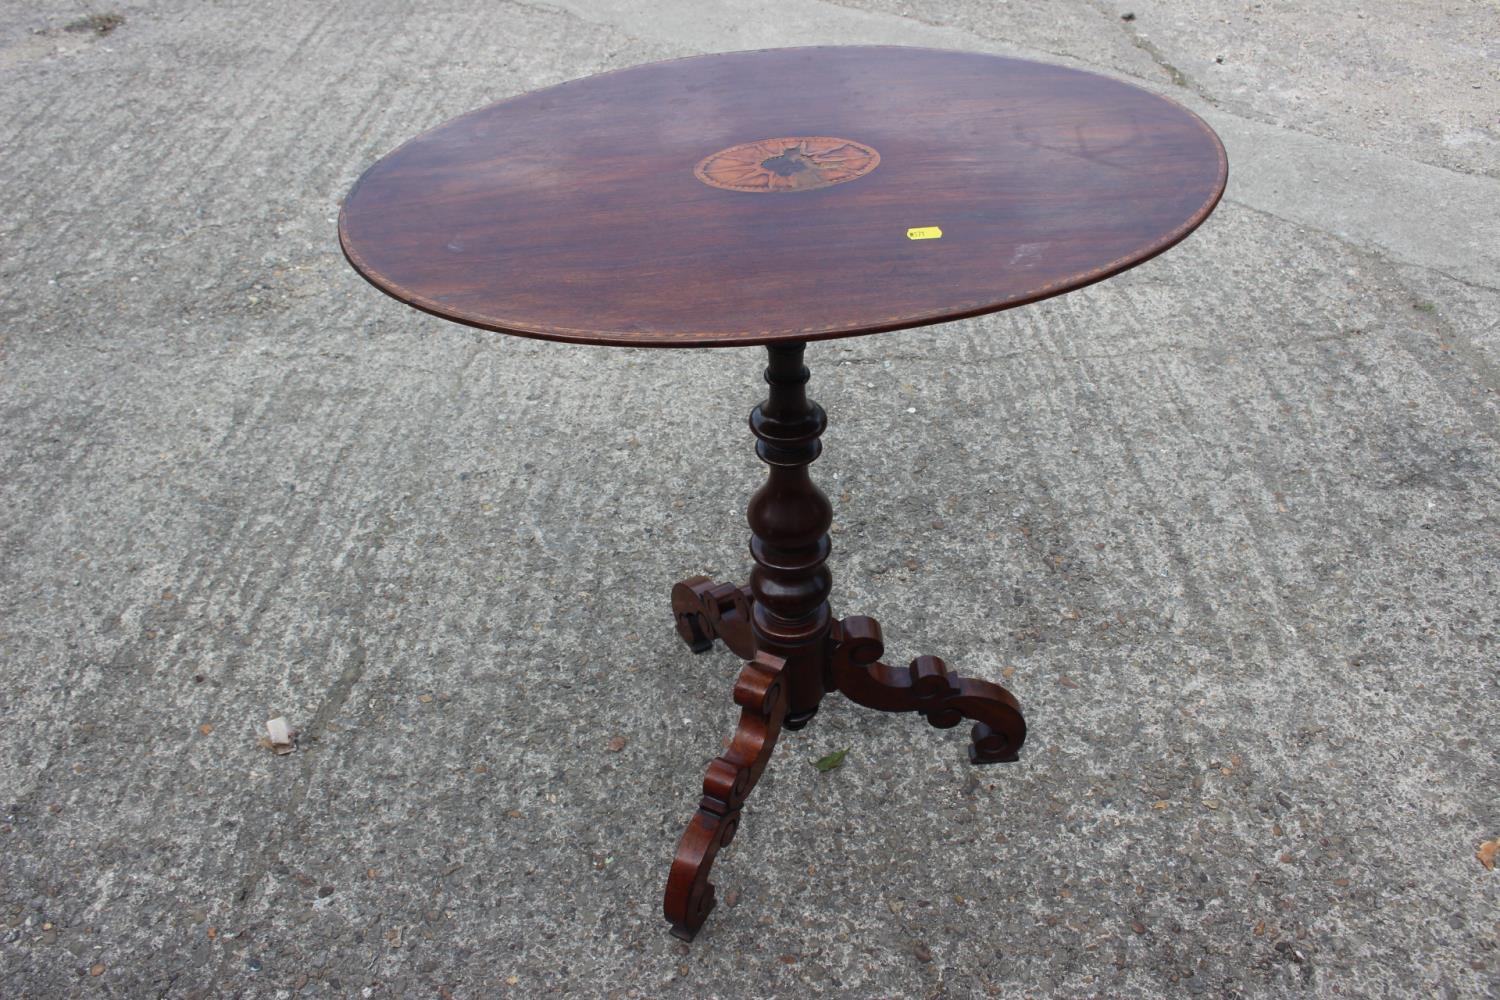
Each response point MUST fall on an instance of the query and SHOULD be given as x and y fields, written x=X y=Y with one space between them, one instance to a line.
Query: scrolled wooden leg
x=761 y=695
x=928 y=687
x=706 y=611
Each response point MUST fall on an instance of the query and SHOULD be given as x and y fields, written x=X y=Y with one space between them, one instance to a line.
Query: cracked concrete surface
x=1226 y=524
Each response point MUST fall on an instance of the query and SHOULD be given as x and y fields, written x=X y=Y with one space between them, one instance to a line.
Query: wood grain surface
x=578 y=212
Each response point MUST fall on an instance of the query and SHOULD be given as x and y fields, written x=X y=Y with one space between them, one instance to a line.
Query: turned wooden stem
x=782 y=625
x=789 y=519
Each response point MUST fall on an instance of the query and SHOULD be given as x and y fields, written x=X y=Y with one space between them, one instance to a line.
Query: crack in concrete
x=1140 y=41
x=1485 y=371
x=1172 y=348
x=1383 y=254
x=987 y=36
x=1176 y=348
x=1466 y=282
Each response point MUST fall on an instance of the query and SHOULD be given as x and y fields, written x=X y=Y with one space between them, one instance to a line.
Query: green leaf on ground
x=832 y=761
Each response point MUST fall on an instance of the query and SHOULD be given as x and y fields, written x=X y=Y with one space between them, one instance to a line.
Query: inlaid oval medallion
x=793 y=163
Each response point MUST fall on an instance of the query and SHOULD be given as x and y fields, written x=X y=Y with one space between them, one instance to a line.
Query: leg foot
x=761 y=696
x=928 y=687
x=800 y=720
x=706 y=611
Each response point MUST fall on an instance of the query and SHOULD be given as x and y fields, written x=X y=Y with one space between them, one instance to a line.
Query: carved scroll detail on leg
x=761 y=695
x=706 y=611
x=927 y=687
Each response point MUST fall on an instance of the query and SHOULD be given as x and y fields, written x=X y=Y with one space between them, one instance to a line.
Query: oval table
x=779 y=197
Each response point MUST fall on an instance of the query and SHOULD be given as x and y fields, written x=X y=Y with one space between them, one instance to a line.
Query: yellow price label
x=924 y=233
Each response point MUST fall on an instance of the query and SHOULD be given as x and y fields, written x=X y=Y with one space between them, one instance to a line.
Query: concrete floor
x=1228 y=523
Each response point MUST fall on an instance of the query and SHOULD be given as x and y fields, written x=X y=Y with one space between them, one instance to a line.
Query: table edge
x=965 y=310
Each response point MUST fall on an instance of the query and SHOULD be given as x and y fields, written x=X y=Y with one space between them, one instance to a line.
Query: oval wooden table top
x=781 y=195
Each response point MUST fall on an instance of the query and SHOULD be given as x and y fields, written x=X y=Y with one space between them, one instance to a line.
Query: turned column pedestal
x=796 y=652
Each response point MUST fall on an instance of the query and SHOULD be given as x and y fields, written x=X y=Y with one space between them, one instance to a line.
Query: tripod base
x=849 y=663
x=796 y=652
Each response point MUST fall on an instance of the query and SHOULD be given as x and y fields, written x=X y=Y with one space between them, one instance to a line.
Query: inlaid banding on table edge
x=786 y=164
